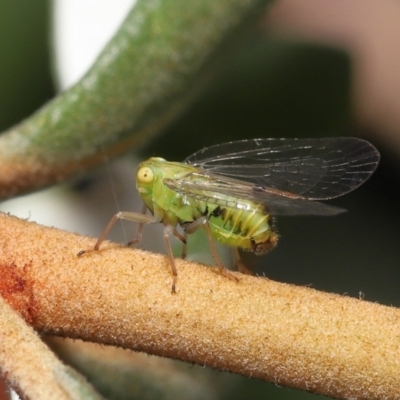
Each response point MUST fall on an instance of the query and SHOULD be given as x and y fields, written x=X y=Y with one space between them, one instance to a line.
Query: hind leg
x=238 y=262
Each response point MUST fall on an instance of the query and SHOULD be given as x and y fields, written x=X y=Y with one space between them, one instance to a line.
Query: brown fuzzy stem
x=295 y=336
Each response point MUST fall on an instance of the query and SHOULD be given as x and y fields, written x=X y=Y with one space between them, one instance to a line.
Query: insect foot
x=82 y=252
x=222 y=270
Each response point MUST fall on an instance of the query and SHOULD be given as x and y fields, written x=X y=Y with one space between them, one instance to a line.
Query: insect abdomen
x=249 y=228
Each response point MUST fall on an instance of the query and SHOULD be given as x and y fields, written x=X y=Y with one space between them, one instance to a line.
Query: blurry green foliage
x=25 y=76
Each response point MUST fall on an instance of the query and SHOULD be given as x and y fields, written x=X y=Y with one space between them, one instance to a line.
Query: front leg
x=125 y=215
x=139 y=231
x=204 y=222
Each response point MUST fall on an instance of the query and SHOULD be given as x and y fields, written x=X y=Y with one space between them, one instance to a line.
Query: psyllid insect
x=232 y=190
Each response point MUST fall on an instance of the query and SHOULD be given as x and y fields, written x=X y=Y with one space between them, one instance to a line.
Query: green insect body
x=233 y=190
x=233 y=221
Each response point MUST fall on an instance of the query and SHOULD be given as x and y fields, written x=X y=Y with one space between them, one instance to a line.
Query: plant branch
x=31 y=368
x=294 y=336
x=161 y=58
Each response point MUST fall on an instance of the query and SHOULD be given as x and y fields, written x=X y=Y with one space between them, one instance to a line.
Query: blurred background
x=308 y=71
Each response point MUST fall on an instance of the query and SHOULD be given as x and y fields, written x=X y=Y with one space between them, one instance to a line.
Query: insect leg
x=203 y=222
x=184 y=247
x=139 y=231
x=125 y=215
x=168 y=231
x=238 y=262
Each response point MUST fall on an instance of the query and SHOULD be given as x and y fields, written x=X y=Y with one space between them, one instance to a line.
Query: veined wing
x=316 y=169
x=223 y=191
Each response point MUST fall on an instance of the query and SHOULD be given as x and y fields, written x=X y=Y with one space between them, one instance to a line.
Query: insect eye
x=145 y=175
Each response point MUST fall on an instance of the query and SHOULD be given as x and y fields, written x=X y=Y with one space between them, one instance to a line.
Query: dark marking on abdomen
x=216 y=212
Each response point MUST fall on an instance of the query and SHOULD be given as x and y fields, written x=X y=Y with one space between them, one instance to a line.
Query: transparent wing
x=316 y=169
x=225 y=191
